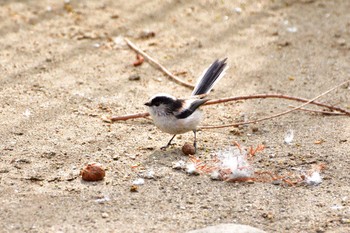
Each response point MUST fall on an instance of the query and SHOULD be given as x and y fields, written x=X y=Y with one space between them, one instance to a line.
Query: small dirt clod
x=93 y=172
x=188 y=149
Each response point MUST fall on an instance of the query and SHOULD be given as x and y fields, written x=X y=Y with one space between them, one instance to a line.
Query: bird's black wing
x=193 y=107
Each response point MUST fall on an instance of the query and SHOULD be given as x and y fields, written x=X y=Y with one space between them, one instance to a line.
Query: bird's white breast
x=170 y=124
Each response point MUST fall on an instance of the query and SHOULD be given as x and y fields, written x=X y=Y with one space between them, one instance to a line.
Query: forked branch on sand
x=265 y=96
x=339 y=111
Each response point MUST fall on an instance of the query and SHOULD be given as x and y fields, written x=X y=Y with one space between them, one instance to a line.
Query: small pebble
x=138 y=181
x=345 y=221
x=276 y=182
x=292 y=29
x=4 y=170
x=341 y=42
x=119 y=42
x=149 y=174
x=237 y=10
x=102 y=200
x=116 y=157
x=267 y=215
x=105 y=215
x=146 y=34
x=96 y=45
x=114 y=16
x=133 y=156
x=27 y=113
x=134 y=188
x=236 y=132
x=283 y=44
x=134 y=77
x=228 y=227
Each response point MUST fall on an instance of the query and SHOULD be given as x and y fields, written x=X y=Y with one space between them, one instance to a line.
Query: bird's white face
x=158 y=110
x=161 y=108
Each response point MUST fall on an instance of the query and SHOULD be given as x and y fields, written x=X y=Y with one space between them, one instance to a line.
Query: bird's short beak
x=148 y=104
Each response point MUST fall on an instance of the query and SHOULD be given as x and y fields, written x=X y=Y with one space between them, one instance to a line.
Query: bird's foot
x=166 y=146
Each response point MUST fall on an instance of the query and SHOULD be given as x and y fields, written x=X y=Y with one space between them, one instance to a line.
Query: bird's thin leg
x=195 y=140
x=169 y=143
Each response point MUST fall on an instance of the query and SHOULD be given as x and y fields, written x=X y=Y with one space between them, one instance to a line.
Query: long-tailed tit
x=177 y=116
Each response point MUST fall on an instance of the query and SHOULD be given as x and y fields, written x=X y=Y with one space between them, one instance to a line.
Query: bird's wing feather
x=191 y=109
x=209 y=77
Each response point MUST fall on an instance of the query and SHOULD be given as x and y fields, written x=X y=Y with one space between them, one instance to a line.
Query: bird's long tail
x=209 y=77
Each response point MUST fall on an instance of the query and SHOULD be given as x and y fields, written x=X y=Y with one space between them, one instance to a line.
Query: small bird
x=177 y=116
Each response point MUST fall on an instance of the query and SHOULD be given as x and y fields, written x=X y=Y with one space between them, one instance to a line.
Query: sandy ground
x=62 y=68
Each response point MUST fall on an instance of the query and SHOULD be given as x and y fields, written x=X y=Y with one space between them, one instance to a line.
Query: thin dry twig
x=276 y=115
x=157 y=64
x=125 y=117
x=278 y=96
x=319 y=111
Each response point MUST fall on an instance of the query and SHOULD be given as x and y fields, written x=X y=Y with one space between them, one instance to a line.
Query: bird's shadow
x=165 y=157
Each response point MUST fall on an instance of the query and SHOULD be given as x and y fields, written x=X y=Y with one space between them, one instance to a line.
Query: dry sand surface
x=64 y=66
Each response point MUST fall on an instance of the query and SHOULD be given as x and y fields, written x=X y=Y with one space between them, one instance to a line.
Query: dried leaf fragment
x=139 y=60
